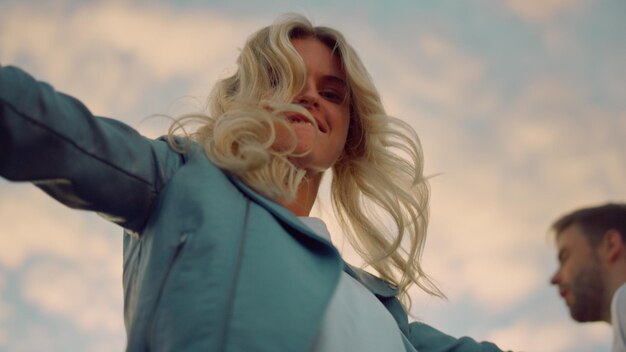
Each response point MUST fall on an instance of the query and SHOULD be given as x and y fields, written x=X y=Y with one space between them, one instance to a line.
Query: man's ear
x=613 y=246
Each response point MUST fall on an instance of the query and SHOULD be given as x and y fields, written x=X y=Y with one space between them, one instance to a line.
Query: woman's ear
x=613 y=246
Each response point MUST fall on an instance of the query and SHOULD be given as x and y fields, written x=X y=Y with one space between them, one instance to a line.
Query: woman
x=219 y=254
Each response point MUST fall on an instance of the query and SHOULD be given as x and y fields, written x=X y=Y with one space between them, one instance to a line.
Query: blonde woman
x=219 y=251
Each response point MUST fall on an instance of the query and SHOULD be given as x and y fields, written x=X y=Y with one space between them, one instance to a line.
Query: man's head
x=592 y=259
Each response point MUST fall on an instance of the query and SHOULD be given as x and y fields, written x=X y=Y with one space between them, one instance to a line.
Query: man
x=591 y=277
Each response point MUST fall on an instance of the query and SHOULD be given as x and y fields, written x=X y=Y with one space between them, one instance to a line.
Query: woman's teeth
x=301 y=121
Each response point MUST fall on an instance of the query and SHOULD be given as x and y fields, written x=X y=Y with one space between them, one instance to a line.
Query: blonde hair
x=379 y=172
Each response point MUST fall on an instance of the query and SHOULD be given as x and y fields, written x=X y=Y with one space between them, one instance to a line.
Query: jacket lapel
x=385 y=292
x=277 y=210
x=377 y=286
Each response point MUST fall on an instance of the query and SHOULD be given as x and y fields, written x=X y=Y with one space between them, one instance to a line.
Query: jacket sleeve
x=428 y=339
x=86 y=162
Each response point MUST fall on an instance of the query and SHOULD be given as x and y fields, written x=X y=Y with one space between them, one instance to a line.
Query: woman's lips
x=299 y=118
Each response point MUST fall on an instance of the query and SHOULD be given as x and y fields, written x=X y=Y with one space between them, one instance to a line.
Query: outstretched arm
x=86 y=162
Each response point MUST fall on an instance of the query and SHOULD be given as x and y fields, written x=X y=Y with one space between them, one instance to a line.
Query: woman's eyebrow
x=335 y=80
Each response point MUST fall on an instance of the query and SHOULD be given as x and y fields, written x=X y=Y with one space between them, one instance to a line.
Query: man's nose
x=556 y=278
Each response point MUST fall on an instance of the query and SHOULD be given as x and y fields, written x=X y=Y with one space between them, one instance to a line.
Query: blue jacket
x=209 y=264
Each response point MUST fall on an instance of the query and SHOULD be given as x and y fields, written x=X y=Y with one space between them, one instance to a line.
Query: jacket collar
x=377 y=286
x=277 y=210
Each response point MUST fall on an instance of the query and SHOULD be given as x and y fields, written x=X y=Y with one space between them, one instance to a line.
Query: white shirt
x=618 y=319
x=355 y=320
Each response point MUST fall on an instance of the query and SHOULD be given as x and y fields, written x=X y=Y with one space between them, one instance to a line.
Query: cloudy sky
x=520 y=106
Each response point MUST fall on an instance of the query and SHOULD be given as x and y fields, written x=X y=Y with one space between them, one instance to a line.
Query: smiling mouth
x=301 y=119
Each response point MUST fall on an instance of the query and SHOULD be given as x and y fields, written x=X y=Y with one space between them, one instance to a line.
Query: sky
x=520 y=107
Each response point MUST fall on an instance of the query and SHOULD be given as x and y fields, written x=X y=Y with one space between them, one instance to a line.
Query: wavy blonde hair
x=378 y=177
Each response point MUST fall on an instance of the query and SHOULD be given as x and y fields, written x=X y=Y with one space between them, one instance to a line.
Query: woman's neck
x=306 y=196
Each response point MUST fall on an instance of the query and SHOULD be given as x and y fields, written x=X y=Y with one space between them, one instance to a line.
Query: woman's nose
x=306 y=101
x=307 y=98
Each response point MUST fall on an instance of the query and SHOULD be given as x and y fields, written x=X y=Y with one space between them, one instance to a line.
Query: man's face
x=579 y=276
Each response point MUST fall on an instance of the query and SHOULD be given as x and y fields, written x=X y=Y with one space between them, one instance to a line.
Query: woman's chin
x=309 y=163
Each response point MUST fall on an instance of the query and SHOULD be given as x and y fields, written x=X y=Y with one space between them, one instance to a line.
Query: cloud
x=39 y=226
x=498 y=194
x=545 y=17
x=482 y=247
x=5 y=313
x=76 y=292
x=111 y=53
x=504 y=191
x=541 y=11
x=565 y=141
x=68 y=262
x=435 y=76
x=537 y=335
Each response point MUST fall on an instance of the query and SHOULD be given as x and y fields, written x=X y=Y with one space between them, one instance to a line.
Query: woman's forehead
x=319 y=57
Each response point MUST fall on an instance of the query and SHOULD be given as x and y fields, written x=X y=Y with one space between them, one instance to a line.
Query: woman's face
x=324 y=95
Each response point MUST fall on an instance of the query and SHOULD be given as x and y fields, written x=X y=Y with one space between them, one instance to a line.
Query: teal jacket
x=209 y=264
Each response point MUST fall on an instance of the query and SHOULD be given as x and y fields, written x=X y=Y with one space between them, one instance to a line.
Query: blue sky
x=520 y=106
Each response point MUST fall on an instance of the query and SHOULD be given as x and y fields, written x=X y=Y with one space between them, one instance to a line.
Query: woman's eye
x=332 y=96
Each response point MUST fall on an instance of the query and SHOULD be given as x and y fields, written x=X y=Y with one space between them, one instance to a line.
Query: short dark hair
x=595 y=221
